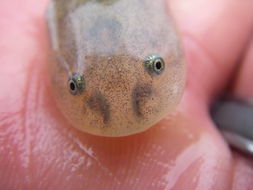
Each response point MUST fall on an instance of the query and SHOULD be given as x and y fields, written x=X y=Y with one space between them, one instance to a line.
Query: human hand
x=40 y=150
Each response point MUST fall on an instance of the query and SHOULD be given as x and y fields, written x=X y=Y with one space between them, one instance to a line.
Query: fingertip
x=213 y=40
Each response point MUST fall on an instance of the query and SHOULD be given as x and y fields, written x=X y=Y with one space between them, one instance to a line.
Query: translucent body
x=107 y=42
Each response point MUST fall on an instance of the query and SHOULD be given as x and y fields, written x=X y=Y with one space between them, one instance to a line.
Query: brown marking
x=98 y=103
x=139 y=96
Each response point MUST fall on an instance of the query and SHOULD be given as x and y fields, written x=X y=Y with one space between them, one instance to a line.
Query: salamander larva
x=116 y=66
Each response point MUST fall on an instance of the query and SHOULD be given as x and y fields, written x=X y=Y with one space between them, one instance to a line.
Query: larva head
x=117 y=68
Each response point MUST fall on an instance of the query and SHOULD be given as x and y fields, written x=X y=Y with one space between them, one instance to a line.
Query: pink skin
x=40 y=150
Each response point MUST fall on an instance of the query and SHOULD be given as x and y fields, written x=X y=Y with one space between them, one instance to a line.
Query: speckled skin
x=107 y=42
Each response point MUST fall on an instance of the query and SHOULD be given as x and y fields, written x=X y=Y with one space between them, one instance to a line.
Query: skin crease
x=40 y=150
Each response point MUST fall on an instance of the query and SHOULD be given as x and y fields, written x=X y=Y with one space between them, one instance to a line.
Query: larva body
x=116 y=66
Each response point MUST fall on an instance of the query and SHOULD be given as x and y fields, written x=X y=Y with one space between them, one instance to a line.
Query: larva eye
x=154 y=64
x=76 y=84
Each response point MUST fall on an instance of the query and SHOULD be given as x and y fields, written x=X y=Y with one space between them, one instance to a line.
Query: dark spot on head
x=105 y=24
x=141 y=93
x=106 y=33
x=98 y=103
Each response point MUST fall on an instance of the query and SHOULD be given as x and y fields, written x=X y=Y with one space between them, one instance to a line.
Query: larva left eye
x=154 y=64
x=76 y=84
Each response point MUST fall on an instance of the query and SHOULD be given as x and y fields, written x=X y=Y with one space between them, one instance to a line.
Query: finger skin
x=243 y=84
x=215 y=26
x=243 y=172
x=40 y=150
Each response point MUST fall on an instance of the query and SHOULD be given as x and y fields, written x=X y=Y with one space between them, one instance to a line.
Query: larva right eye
x=154 y=64
x=76 y=84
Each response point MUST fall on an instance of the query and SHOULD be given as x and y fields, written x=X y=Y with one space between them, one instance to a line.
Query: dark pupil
x=72 y=86
x=158 y=65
